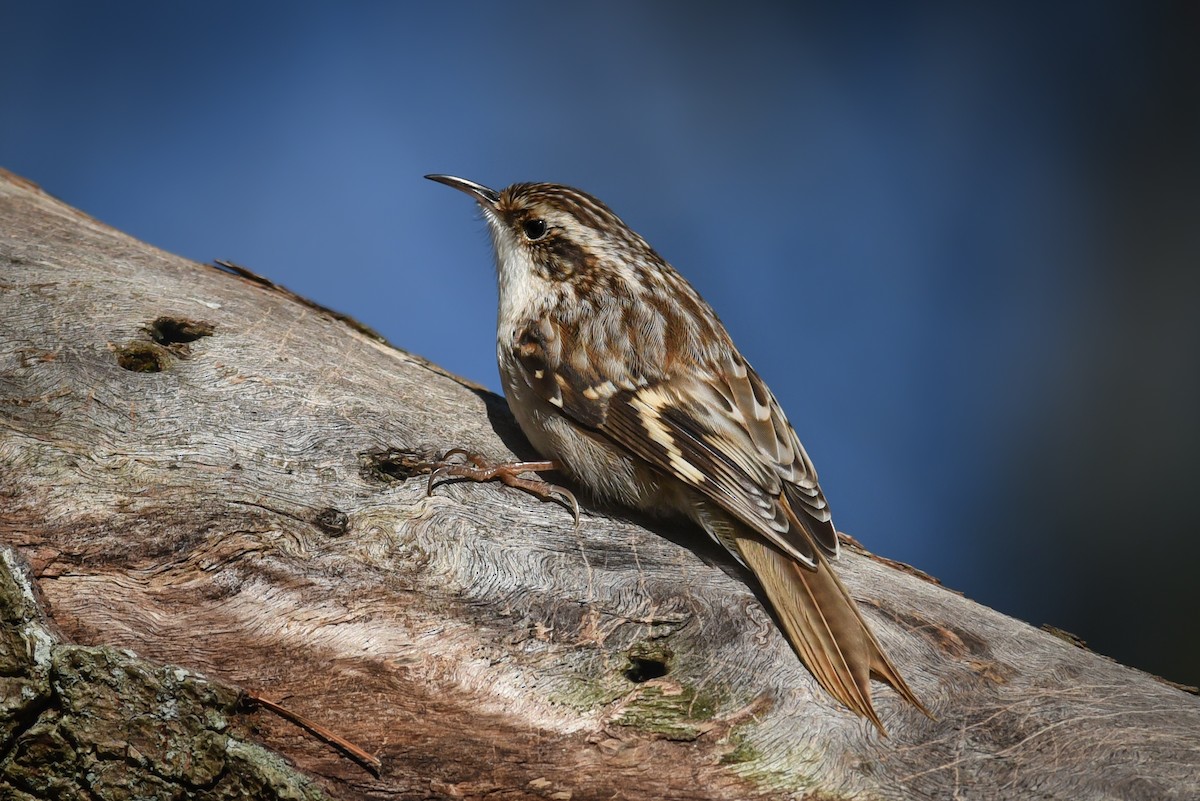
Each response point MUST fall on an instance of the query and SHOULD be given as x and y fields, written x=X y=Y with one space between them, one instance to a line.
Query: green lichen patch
x=585 y=694
x=669 y=710
x=638 y=689
x=740 y=751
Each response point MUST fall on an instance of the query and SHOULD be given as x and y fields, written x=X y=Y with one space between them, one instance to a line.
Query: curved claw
x=434 y=474
x=442 y=467
x=567 y=497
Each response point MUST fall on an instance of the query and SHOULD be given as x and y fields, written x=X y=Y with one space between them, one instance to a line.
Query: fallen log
x=202 y=468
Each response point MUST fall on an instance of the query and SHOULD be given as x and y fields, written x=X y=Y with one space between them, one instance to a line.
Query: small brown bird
x=620 y=373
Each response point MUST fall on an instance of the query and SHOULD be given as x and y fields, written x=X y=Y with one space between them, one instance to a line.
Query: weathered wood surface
x=221 y=507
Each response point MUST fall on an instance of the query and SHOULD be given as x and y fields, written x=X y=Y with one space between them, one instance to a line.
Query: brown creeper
x=620 y=373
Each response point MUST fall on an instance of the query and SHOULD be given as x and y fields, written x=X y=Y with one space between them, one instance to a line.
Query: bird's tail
x=823 y=624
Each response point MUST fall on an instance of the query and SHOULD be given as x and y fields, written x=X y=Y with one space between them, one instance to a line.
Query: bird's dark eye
x=534 y=229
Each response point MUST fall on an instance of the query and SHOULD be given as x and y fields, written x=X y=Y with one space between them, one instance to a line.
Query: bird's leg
x=509 y=473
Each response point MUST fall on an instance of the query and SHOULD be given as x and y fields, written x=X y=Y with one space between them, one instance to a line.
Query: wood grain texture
x=190 y=462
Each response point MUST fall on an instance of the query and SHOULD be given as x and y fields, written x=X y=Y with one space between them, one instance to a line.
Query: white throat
x=523 y=292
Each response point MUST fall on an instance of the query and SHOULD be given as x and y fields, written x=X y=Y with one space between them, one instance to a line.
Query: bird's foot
x=478 y=468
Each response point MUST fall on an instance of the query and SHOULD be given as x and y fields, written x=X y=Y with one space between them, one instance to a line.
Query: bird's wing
x=718 y=430
x=722 y=432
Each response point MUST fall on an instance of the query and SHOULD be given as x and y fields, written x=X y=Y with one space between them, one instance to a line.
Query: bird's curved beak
x=488 y=198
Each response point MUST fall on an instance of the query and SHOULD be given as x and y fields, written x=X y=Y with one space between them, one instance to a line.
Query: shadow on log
x=199 y=467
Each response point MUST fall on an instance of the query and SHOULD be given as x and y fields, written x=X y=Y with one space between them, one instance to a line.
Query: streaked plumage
x=617 y=370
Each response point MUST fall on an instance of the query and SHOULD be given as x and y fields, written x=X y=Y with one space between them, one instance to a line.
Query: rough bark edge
x=61 y=704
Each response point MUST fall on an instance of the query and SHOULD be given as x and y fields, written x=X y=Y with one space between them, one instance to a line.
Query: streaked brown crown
x=610 y=273
x=579 y=230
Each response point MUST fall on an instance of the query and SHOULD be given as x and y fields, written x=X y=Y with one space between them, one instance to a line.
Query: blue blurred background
x=960 y=242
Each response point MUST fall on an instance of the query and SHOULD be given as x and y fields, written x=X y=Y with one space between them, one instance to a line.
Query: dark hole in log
x=178 y=331
x=642 y=668
x=332 y=521
x=143 y=357
x=394 y=464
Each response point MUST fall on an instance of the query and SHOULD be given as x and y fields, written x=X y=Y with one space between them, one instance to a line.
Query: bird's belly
x=586 y=456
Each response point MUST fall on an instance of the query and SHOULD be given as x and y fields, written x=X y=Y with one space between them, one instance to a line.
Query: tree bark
x=204 y=469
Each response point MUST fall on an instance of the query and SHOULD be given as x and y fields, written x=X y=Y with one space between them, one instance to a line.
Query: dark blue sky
x=961 y=244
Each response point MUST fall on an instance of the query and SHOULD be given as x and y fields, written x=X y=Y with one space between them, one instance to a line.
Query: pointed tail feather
x=824 y=626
